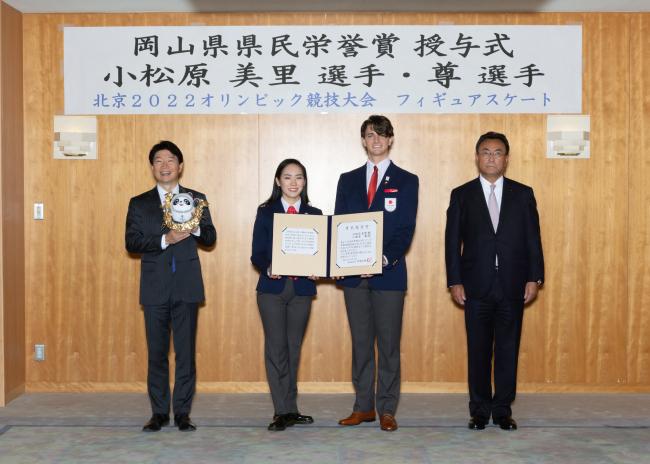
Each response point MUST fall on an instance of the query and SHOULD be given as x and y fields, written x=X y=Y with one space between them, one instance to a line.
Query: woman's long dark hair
x=276 y=193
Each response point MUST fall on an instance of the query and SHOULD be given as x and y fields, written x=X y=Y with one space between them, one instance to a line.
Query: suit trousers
x=493 y=325
x=375 y=315
x=181 y=318
x=284 y=317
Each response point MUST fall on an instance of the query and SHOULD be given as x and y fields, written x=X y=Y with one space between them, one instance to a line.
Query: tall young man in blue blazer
x=375 y=303
x=493 y=252
x=171 y=287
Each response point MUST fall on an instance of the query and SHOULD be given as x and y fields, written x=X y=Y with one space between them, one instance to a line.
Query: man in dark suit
x=375 y=303
x=171 y=287
x=495 y=266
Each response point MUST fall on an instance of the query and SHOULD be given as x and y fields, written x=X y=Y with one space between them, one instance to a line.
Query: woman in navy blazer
x=284 y=302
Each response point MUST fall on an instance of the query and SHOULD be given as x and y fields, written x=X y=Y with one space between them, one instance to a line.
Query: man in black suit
x=171 y=287
x=495 y=265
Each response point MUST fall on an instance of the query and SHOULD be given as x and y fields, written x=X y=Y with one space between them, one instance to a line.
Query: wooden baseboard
x=86 y=387
x=320 y=387
x=452 y=387
x=580 y=388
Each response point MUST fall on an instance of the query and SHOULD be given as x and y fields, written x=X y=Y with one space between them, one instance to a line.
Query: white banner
x=321 y=69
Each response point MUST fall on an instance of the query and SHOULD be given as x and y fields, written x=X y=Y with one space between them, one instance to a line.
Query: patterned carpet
x=27 y=444
x=76 y=428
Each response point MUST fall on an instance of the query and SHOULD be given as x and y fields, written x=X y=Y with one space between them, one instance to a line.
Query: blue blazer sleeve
x=340 y=206
x=262 y=233
x=396 y=246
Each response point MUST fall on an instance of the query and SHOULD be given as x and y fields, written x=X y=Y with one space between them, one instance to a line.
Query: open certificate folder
x=300 y=244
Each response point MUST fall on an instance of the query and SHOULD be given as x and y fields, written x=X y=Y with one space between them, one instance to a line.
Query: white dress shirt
x=498 y=190
x=382 y=166
x=286 y=205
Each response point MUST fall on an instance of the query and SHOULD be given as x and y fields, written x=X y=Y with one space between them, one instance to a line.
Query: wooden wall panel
x=586 y=330
x=638 y=327
x=12 y=203
x=607 y=199
x=2 y=308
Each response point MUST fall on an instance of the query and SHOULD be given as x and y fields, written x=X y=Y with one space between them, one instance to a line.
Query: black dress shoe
x=298 y=418
x=183 y=422
x=156 y=422
x=506 y=422
x=477 y=423
x=281 y=422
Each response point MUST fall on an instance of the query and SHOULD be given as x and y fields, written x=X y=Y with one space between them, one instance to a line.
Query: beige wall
x=587 y=331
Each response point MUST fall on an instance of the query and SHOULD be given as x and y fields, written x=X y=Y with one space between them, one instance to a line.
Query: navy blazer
x=397 y=197
x=263 y=247
x=144 y=231
x=471 y=243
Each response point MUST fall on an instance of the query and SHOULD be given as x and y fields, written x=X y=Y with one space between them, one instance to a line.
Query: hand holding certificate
x=357 y=241
x=300 y=245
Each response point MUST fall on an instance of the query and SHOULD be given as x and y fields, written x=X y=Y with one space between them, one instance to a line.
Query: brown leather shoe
x=358 y=417
x=388 y=422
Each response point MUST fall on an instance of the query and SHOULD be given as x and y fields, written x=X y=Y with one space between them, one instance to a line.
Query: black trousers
x=375 y=315
x=284 y=317
x=179 y=318
x=493 y=325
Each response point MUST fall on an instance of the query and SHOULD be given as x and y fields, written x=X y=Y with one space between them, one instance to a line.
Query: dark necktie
x=372 y=186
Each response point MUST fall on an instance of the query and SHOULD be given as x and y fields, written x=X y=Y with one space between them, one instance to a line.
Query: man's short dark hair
x=166 y=145
x=493 y=136
x=380 y=124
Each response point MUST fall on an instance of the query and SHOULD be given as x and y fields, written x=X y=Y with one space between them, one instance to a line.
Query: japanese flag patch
x=390 y=204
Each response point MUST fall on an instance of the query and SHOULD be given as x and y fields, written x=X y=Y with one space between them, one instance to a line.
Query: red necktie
x=372 y=187
x=292 y=210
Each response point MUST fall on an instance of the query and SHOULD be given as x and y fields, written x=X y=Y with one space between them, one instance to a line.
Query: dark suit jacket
x=263 y=247
x=399 y=224
x=471 y=243
x=144 y=230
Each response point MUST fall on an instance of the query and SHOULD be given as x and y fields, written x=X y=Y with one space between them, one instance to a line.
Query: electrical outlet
x=39 y=352
x=39 y=211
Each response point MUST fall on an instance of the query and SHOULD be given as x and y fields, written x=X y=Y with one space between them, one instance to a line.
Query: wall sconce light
x=567 y=136
x=75 y=137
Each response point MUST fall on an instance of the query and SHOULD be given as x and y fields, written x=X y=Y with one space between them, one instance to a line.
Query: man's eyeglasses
x=490 y=154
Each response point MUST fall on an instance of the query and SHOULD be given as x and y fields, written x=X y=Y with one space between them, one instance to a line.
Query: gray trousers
x=375 y=315
x=284 y=317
